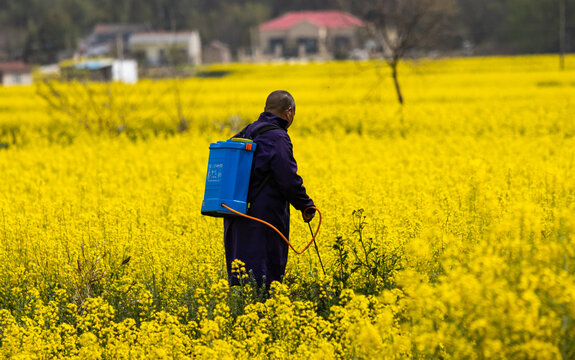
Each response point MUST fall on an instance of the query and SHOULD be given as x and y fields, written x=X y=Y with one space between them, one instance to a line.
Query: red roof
x=14 y=67
x=328 y=19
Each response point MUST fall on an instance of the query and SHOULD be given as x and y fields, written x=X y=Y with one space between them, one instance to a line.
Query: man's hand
x=308 y=214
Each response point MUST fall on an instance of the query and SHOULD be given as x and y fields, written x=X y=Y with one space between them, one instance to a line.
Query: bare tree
x=399 y=26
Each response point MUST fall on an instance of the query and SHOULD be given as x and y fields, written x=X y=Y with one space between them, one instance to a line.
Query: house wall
x=289 y=42
x=303 y=30
x=153 y=54
x=8 y=79
x=291 y=39
x=340 y=41
x=195 y=49
x=265 y=38
x=350 y=33
x=125 y=71
x=157 y=49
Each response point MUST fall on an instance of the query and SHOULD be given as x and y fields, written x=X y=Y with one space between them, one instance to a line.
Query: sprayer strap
x=263 y=129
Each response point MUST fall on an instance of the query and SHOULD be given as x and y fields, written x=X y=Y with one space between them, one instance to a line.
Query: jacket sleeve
x=284 y=170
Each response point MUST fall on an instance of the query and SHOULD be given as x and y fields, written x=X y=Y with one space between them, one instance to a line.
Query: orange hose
x=279 y=232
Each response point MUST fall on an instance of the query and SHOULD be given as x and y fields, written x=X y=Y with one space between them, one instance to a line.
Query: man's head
x=282 y=104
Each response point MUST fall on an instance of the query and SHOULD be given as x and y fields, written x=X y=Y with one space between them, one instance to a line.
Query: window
x=309 y=44
x=275 y=44
x=342 y=43
x=342 y=46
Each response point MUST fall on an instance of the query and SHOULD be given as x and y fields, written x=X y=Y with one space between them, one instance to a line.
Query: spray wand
x=316 y=249
x=313 y=235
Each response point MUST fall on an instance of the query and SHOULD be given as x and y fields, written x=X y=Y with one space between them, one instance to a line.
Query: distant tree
x=534 y=26
x=231 y=22
x=239 y=19
x=518 y=26
x=54 y=35
x=531 y=26
x=279 y=7
x=481 y=22
x=562 y=25
x=400 y=26
x=494 y=26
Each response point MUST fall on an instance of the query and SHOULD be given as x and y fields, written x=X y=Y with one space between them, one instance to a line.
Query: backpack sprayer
x=228 y=179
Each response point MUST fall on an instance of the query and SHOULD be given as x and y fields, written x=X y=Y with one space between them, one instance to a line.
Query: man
x=274 y=185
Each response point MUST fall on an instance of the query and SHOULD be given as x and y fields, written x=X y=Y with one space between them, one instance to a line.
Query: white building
x=15 y=73
x=167 y=48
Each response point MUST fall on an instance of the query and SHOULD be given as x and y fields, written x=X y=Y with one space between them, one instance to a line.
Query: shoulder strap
x=242 y=132
x=260 y=130
x=263 y=129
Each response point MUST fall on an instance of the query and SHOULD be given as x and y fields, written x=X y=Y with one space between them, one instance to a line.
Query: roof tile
x=328 y=19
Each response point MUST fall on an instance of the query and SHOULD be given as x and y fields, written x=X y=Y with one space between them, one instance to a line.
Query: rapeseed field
x=448 y=223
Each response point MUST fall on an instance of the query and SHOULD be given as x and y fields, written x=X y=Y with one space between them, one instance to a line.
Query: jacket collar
x=268 y=117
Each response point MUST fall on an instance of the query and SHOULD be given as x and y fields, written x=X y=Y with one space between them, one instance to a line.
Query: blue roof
x=93 y=64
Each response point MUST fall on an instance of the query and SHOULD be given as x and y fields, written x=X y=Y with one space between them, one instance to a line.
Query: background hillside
x=48 y=27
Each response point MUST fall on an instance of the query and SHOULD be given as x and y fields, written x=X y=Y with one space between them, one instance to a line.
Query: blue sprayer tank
x=228 y=177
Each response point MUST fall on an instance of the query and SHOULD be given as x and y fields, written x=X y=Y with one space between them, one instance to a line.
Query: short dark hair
x=279 y=101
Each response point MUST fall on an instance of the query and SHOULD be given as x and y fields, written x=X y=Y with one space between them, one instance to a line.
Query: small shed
x=217 y=52
x=125 y=71
x=165 y=48
x=15 y=73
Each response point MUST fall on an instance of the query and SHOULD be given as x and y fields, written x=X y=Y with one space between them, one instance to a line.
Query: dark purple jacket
x=262 y=250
